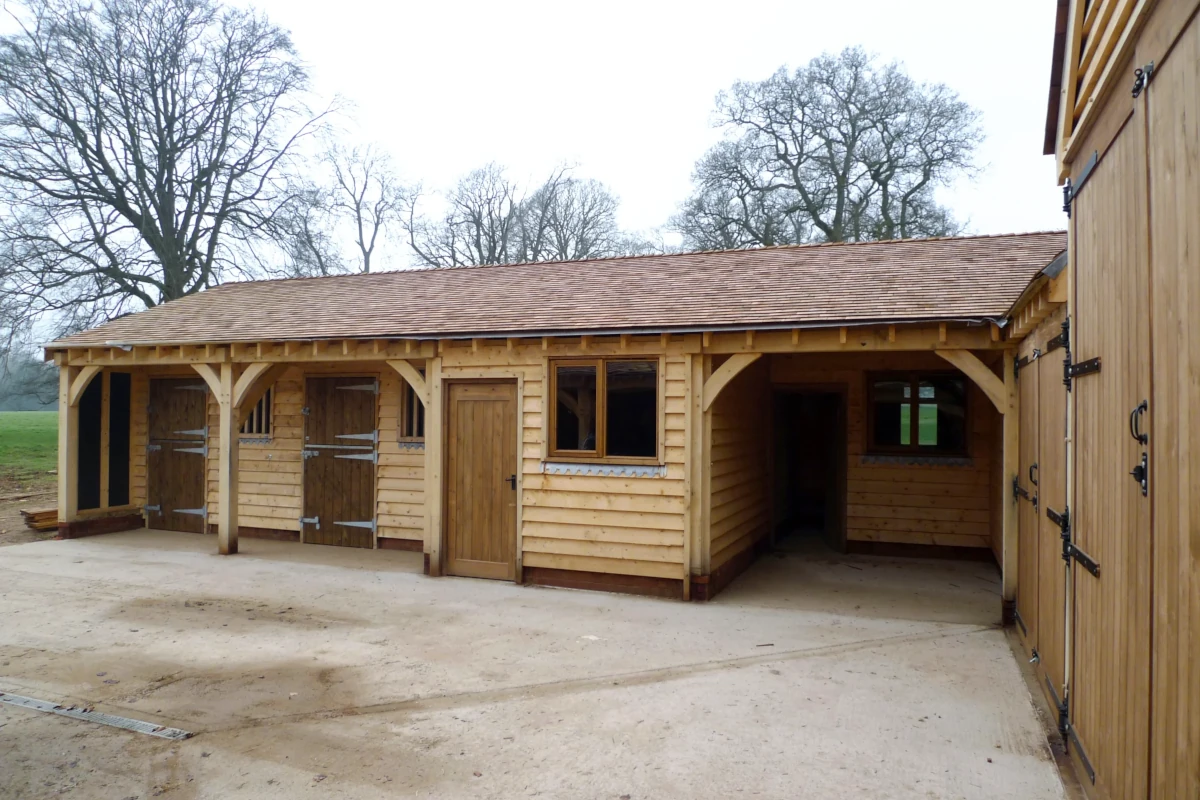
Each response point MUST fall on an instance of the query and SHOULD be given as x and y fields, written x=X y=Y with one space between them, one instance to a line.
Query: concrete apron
x=302 y=666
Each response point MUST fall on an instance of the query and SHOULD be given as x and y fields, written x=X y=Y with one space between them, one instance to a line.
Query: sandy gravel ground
x=319 y=672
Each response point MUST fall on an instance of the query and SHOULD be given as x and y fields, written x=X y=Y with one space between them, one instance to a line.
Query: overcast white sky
x=625 y=89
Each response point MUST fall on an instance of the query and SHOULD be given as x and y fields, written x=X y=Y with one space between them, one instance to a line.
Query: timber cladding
x=580 y=516
x=899 y=500
x=739 y=515
x=270 y=470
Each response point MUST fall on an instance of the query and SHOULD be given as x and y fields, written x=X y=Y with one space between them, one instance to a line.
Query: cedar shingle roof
x=972 y=277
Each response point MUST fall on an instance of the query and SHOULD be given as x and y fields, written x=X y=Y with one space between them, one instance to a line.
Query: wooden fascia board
x=970 y=365
x=726 y=373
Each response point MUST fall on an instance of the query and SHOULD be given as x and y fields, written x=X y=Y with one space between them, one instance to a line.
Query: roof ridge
x=765 y=248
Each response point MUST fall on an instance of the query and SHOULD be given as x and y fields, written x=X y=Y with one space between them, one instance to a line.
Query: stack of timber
x=42 y=521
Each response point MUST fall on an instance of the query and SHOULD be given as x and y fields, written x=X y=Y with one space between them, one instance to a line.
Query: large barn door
x=175 y=490
x=1052 y=493
x=1173 y=100
x=1110 y=519
x=339 y=462
x=481 y=480
x=1027 y=510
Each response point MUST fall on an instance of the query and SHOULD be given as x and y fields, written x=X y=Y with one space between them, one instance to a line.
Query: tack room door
x=339 y=461
x=481 y=480
x=176 y=455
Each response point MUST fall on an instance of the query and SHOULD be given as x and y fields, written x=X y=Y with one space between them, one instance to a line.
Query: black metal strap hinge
x=1062 y=340
x=1019 y=490
x=1141 y=78
x=1069 y=549
x=1061 y=706
x=1071 y=189
x=1073 y=741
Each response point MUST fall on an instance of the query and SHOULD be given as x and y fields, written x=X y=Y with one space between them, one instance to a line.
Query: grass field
x=28 y=449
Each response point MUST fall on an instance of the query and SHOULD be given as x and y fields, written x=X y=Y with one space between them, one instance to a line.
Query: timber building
x=640 y=424
x=1108 y=590
x=649 y=424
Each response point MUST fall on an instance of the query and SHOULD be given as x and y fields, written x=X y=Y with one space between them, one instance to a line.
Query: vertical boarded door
x=1027 y=516
x=339 y=462
x=175 y=491
x=1110 y=690
x=1052 y=492
x=481 y=468
x=1173 y=100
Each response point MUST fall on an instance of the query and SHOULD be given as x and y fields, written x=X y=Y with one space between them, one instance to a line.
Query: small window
x=920 y=414
x=605 y=409
x=412 y=416
x=258 y=424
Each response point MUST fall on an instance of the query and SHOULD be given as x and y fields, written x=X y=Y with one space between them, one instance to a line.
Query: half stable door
x=339 y=462
x=177 y=450
x=481 y=480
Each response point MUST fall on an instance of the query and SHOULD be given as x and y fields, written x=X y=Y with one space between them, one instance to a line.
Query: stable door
x=175 y=457
x=481 y=480
x=339 y=461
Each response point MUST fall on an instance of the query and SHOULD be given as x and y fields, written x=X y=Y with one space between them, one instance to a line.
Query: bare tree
x=367 y=193
x=304 y=231
x=840 y=150
x=568 y=219
x=142 y=146
x=491 y=221
x=480 y=226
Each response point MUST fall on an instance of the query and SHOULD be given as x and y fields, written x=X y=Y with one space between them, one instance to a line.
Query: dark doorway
x=809 y=441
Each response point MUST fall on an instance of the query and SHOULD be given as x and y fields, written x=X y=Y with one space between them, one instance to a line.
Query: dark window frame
x=260 y=422
x=411 y=427
x=599 y=455
x=914 y=448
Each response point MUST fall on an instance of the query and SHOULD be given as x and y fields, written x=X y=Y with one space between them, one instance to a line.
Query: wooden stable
x=1114 y=622
x=667 y=460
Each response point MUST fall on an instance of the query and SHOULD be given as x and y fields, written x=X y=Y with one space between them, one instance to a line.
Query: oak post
x=434 y=434
x=68 y=447
x=1012 y=442
x=227 y=467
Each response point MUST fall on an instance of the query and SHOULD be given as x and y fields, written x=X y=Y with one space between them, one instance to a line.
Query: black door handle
x=1135 y=423
x=1033 y=473
x=512 y=481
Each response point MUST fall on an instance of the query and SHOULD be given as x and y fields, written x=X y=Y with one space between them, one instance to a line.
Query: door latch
x=314 y=521
x=512 y=482
x=1141 y=474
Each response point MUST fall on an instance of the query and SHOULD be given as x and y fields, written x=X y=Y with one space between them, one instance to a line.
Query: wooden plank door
x=1052 y=492
x=339 y=461
x=1110 y=518
x=175 y=463
x=481 y=469
x=1173 y=101
x=1027 y=510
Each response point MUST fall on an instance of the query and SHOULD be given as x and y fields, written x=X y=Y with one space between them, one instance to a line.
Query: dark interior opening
x=118 y=438
x=90 y=412
x=810 y=468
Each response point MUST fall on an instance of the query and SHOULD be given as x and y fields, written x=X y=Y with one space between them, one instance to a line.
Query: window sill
x=918 y=460
x=410 y=443
x=253 y=440
x=607 y=469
